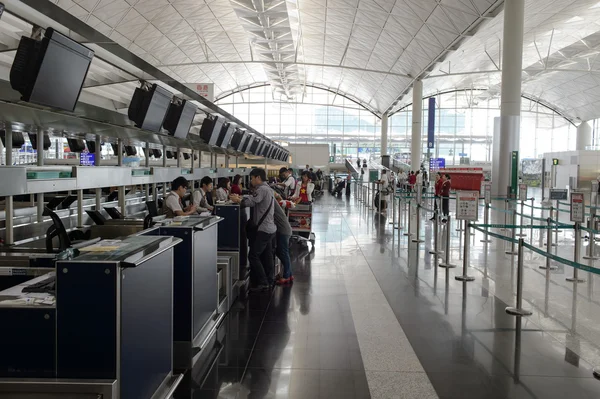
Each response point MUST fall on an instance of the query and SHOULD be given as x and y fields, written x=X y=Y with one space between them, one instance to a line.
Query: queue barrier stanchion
x=518 y=310
x=531 y=231
x=591 y=241
x=447 y=264
x=576 y=253
x=399 y=227
x=513 y=239
x=486 y=220
x=408 y=232
x=548 y=265
x=393 y=221
x=436 y=232
x=466 y=256
x=505 y=213
x=520 y=221
x=417 y=239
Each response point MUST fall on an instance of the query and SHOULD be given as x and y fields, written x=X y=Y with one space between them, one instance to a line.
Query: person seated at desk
x=199 y=197
x=304 y=190
x=236 y=186
x=172 y=205
x=223 y=190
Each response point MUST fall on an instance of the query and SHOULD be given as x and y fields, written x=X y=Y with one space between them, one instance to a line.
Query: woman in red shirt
x=235 y=186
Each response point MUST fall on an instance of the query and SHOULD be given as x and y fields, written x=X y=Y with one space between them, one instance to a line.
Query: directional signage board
x=487 y=193
x=522 y=192
x=436 y=164
x=577 y=207
x=467 y=205
x=559 y=194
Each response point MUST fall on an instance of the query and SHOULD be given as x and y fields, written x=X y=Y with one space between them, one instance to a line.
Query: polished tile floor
x=370 y=315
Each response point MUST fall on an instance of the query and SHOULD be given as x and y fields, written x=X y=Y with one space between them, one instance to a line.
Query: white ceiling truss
x=273 y=30
x=370 y=51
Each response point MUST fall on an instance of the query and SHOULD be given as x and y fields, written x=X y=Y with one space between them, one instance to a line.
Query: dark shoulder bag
x=252 y=228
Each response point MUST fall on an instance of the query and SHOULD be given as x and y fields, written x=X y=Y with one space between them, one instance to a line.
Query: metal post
x=557 y=221
x=591 y=241
x=380 y=195
x=512 y=242
x=417 y=239
x=79 y=207
x=400 y=211
x=9 y=208
x=40 y=162
x=436 y=232
x=408 y=233
x=466 y=278
x=531 y=229
x=164 y=156
x=547 y=266
x=486 y=221
x=98 y=163
x=447 y=263
x=505 y=213
x=576 y=255
x=520 y=221
x=518 y=310
x=393 y=221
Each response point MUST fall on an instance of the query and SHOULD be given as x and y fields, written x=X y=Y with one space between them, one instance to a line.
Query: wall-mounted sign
x=577 y=207
x=467 y=205
x=87 y=159
x=206 y=90
x=487 y=192
x=431 y=124
x=559 y=194
x=554 y=161
x=436 y=164
x=522 y=192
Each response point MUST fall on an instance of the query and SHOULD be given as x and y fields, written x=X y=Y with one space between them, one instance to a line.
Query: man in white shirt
x=199 y=196
x=289 y=183
x=172 y=205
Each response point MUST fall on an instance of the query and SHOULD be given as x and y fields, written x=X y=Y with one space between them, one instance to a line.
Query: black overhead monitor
x=33 y=140
x=179 y=118
x=249 y=141
x=238 y=139
x=266 y=149
x=254 y=146
x=211 y=128
x=50 y=71
x=225 y=135
x=130 y=150
x=148 y=107
x=156 y=153
x=91 y=146
x=76 y=145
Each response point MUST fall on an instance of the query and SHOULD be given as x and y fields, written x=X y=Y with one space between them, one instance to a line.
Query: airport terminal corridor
x=367 y=317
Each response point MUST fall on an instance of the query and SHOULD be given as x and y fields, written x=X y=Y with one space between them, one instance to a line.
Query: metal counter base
x=30 y=388
x=186 y=353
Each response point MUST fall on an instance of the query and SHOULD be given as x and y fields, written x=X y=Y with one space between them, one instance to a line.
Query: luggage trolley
x=300 y=219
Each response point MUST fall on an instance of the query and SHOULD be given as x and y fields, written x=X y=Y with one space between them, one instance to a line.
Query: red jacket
x=438 y=187
x=412 y=179
x=445 y=192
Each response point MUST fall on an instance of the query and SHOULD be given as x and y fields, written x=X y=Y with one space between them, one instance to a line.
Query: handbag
x=251 y=227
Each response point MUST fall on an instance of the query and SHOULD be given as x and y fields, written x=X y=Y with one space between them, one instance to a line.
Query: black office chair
x=65 y=240
x=152 y=208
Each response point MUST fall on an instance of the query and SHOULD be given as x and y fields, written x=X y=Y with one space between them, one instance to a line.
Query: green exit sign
x=331 y=159
x=554 y=161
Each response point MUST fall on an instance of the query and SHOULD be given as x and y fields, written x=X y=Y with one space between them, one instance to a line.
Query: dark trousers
x=445 y=206
x=435 y=203
x=283 y=253
x=260 y=257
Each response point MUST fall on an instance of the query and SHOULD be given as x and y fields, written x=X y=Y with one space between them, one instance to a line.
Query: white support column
x=584 y=136
x=510 y=109
x=417 y=125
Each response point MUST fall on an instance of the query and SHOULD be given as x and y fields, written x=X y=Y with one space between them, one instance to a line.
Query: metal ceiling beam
x=74 y=24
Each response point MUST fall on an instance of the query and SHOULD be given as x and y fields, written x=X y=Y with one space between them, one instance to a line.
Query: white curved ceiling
x=369 y=50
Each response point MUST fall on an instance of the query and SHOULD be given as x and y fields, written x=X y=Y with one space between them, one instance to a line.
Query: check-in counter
x=196 y=296
x=107 y=331
x=233 y=242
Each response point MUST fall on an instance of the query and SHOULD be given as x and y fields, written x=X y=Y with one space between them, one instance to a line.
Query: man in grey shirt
x=260 y=254
x=284 y=232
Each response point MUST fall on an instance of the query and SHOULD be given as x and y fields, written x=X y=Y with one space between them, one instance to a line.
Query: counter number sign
x=577 y=207
x=467 y=205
